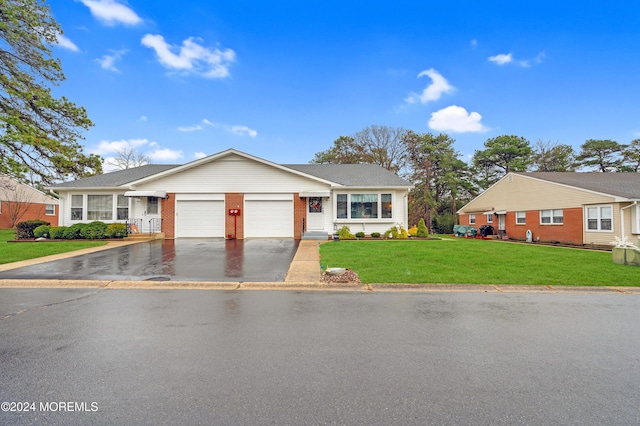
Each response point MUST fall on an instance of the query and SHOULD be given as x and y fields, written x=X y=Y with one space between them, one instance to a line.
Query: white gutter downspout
x=635 y=203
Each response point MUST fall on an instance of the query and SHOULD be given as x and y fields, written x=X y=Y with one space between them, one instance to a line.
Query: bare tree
x=17 y=199
x=553 y=157
x=127 y=158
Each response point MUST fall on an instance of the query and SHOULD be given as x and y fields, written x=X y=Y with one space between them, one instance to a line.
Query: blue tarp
x=462 y=230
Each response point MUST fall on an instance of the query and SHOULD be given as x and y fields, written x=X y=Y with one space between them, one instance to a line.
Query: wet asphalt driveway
x=173 y=260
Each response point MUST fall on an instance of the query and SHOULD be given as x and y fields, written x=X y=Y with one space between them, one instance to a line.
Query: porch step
x=315 y=235
x=145 y=237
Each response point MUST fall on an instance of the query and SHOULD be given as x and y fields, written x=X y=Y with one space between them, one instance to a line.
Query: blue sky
x=282 y=80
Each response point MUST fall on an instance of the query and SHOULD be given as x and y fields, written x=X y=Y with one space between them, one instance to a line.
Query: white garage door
x=268 y=219
x=199 y=219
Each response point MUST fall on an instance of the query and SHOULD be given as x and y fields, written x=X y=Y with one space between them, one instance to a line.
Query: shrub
x=116 y=230
x=375 y=235
x=396 y=232
x=345 y=233
x=423 y=232
x=443 y=224
x=57 y=232
x=360 y=234
x=24 y=230
x=73 y=232
x=94 y=230
x=41 y=231
x=413 y=231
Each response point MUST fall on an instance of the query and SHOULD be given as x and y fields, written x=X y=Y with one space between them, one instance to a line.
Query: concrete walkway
x=305 y=267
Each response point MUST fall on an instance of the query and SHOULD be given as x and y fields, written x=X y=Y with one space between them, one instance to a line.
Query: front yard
x=469 y=261
x=14 y=252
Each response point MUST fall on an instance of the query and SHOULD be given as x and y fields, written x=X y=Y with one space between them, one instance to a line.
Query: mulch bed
x=349 y=276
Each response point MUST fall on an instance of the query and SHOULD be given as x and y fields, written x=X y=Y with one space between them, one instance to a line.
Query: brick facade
x=234 y=225
x=168 y=210
x=299 y=215
x=570 y=232
x=32 y=211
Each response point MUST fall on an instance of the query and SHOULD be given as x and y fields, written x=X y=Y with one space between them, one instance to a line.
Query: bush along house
x=232 y=194
x=569 y=208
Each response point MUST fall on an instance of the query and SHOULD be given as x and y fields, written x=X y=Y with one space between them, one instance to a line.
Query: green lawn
x=469 y=261
x=14 y=252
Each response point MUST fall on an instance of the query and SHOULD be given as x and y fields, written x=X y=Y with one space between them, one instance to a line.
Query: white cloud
x=507 y=58
x=165 y=154
x=191 y=57
x=108 y=147
x=209 y=123
x=501 y=59
x=190 y=128
x=66 y=43
x=198 y=155
x=434 y=91
x=456 y=119
x=244 y=130
x=143 y=118
x=111 y=13
x=108 y=61
x=473 y=43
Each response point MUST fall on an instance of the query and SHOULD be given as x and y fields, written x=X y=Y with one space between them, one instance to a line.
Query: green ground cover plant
x=469 y=261
x=14 y=252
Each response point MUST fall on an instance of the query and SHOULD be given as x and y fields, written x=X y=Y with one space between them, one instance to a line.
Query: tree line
x=443 y=182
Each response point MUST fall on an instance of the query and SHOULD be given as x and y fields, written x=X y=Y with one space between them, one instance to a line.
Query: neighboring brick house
x=232 y=194
x=20 y=202
x=575 y=208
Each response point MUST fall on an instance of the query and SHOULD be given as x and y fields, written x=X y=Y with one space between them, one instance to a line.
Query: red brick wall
x=233 y=224
x=168 y=209
x=299 y=213
x=33 y=212
x=569 y=232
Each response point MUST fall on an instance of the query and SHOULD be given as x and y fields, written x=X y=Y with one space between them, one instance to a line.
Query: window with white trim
x=490 y=218
x=99 y=207
x=552 y=217
x=600 y=218
x=50 y=210
x=76 y=207
x=521 y=218
x=122 y=210
x=472 y=219
x=364 y=206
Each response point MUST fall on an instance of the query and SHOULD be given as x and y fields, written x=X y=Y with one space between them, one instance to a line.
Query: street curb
x=306 y=286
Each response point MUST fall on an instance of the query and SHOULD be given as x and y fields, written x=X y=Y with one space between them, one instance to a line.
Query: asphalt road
x=285 y=357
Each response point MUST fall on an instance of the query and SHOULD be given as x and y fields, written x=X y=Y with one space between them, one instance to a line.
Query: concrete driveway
x=173 y=260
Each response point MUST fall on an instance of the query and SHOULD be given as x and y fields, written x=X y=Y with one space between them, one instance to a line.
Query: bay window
x=364 y=206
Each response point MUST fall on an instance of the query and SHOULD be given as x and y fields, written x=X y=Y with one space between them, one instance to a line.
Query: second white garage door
x=268 y=219
x=199 y=219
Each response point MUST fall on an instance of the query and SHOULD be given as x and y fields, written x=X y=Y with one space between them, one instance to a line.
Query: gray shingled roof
x=117 y=178
x=358 y=175
x=625 y=185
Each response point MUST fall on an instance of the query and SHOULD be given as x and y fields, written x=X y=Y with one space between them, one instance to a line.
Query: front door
x=151 y=216
x=315 y=214
x=501 y=224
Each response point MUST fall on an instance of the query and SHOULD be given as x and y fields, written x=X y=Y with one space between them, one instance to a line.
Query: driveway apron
x=173 y=260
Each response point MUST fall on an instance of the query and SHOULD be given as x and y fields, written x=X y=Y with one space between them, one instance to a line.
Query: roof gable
x=626 y=185
x=13 y=190
x=348 y=175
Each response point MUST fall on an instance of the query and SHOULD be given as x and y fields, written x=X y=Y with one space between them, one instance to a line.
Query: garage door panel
x=268 y=219
x=200 y=219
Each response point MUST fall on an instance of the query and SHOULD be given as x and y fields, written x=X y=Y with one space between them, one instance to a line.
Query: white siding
x=234 y=174
x=381 y=225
